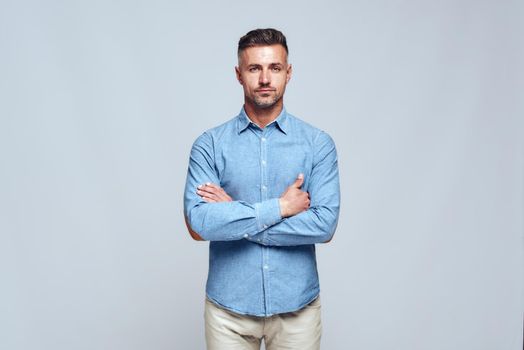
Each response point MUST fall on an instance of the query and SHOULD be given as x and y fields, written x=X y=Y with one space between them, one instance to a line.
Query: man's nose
x=264 y=77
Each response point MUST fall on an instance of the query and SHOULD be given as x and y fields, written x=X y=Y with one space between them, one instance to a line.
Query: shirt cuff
x=268 y=213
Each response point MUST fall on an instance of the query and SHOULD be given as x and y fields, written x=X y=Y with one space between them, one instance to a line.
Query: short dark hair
x=262 y=37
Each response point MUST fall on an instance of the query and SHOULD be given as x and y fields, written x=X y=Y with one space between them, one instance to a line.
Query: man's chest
x=254 y=168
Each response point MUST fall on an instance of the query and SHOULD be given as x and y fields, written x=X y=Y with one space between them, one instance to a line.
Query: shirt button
x=264 y=188
x=265 y=226
x=246 y=235
x=263 y=139
x=266 y=267
x=264 y=162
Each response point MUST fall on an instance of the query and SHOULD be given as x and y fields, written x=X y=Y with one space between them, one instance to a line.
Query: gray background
x=101 y=101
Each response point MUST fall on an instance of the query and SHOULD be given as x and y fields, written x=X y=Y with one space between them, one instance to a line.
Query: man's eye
x=277 y=69
x=253 y=69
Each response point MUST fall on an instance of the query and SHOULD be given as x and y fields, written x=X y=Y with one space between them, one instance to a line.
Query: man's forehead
x=264 y=54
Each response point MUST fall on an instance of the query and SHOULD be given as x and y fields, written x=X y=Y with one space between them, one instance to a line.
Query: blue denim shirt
x=260 y=263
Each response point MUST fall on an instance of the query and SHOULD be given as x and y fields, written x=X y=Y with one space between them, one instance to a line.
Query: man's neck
x=263 y=116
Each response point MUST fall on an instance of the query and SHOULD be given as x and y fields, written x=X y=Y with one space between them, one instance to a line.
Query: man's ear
x=289 y=73
x=239 y=77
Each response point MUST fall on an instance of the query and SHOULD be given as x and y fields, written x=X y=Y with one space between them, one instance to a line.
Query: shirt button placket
x=263 y=163
x=264 y=196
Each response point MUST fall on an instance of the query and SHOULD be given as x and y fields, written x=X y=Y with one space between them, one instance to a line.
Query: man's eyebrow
x=271 y=64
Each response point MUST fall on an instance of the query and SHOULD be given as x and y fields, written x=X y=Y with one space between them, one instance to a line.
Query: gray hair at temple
x=262 y=37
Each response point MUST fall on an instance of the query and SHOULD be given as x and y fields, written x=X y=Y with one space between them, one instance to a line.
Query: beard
x=266 y=102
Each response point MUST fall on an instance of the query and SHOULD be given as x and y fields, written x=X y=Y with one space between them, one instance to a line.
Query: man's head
x=263 y=70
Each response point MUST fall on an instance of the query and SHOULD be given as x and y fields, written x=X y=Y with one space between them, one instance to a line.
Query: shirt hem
x=244 y=313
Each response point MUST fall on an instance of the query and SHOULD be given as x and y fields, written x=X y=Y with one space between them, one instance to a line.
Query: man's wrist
x=283 y=207
x=268 y=213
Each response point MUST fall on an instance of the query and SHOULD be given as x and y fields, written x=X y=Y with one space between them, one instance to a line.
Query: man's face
x=263 y=72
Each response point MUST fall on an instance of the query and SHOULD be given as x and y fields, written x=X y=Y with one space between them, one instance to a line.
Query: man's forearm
x=316 y=225
x=225 y=221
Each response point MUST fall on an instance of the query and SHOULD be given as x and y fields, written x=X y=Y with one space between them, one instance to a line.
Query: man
x=263 y=188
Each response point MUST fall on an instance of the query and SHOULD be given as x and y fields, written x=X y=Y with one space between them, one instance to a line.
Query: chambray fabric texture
x=260 y=263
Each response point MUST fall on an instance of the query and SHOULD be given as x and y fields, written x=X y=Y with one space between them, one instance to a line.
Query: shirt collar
x=281 y=121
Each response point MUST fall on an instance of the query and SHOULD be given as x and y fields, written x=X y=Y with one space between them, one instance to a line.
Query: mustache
x=265 y=88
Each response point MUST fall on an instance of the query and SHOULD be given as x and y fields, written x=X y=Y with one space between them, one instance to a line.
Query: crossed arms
x=296 y=217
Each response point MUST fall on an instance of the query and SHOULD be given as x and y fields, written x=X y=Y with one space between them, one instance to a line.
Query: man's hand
x=212 y=193
x=294 y=200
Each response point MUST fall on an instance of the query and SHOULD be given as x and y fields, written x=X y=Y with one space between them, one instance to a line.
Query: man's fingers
x=211 y=189
x=207 y=194
x=214 y=192
x=210 y=184
x=299 y=181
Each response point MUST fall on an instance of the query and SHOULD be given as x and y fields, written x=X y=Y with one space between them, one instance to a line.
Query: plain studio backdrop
x=101 y=101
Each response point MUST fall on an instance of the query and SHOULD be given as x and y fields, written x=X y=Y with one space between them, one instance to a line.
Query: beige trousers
x=300 y=330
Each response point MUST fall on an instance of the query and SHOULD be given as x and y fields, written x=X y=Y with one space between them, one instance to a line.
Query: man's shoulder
x=228 y=125
x=305 y=128
x=301 y=123
x=219 y=131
